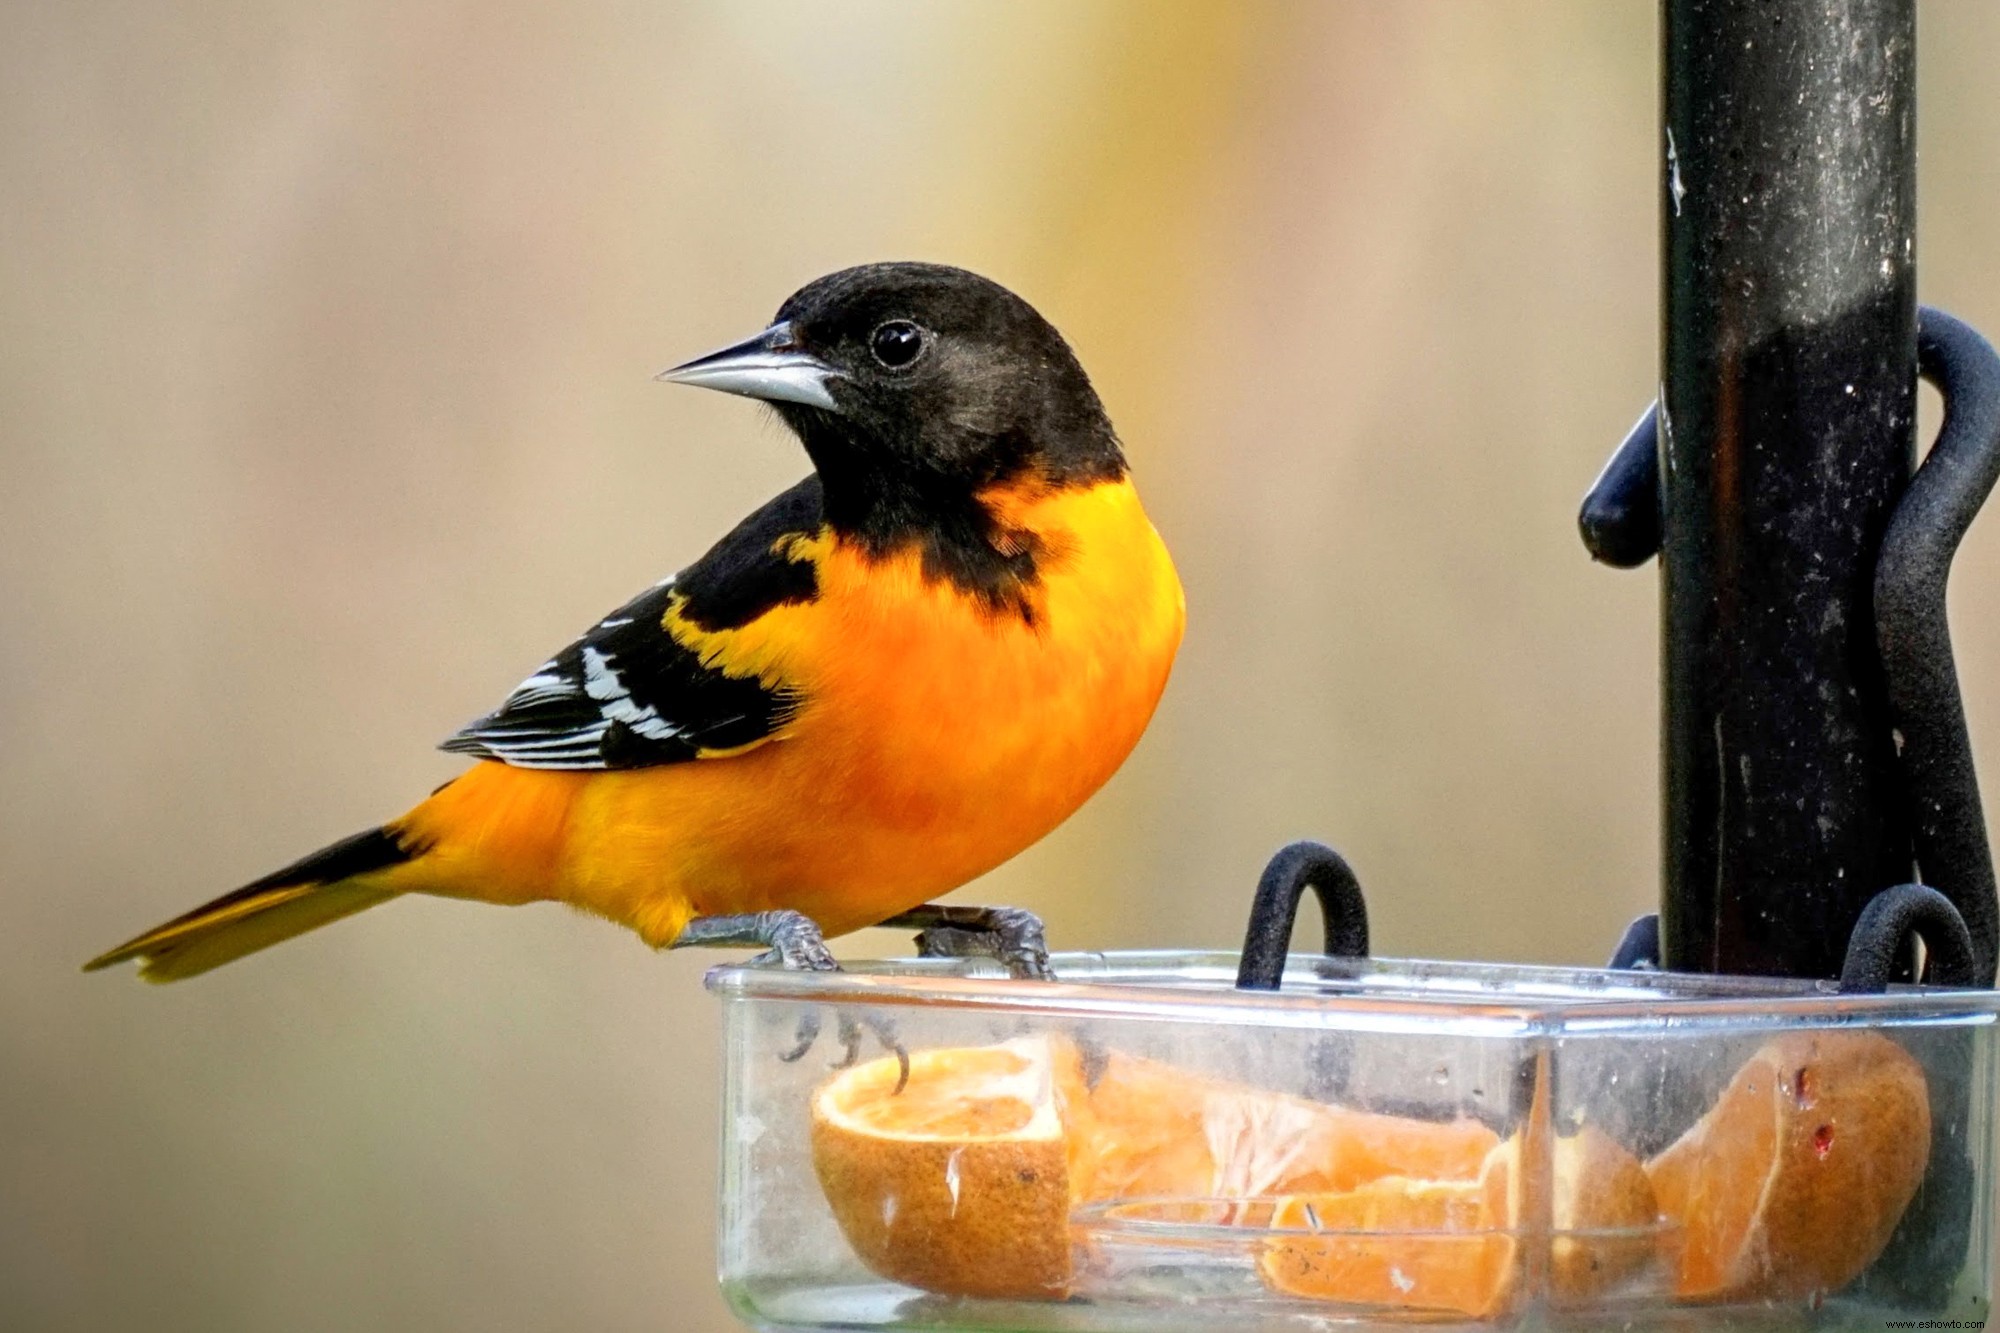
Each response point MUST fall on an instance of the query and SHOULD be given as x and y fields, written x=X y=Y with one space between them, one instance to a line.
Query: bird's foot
x=849 y=1030
x=1012 y=935
x=793 y=940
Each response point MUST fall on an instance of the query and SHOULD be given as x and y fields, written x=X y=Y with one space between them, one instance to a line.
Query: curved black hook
x=1620 y=518
x=1620 y=521
x=1891 y=917
x=1296 y=868
x=1639 y=950
x=1948 y=824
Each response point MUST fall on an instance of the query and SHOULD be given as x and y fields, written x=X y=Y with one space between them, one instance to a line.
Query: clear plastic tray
x=1140 y=1146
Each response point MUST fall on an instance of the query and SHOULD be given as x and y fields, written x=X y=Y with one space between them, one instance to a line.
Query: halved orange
x=1794 y=1180
x=960 y=1182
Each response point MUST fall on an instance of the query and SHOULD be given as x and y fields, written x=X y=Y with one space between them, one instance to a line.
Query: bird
x=893 y=677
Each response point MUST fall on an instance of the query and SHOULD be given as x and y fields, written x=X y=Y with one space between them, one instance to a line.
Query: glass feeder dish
x=1140 y=1145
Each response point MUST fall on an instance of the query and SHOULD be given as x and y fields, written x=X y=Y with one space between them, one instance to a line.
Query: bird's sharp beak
x=771 y=366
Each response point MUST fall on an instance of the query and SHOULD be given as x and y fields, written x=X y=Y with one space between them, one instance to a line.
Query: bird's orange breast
x=937 y=736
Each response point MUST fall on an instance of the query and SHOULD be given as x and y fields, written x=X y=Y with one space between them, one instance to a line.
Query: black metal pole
x=1787 y=418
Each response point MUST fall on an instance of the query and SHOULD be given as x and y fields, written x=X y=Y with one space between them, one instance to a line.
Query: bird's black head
x=915 y=387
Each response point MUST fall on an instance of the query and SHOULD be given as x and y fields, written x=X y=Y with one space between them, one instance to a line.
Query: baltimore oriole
x=888 y=680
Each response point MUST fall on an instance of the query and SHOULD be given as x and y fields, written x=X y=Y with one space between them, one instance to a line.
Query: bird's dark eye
x=897 y=343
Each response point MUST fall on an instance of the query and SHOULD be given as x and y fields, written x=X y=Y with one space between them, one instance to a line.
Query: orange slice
x=1454 y=1245
x=959 y=1183
x=1793 y=1181
x=1149 y=1130
x=1605 y=1217
x=1412 y=1244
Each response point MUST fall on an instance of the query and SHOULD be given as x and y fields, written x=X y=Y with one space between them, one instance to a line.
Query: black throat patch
x=959 y=540
x=887 y=501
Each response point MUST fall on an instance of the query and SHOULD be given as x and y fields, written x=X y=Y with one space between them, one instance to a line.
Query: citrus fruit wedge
x=1410 y=1244
x=1793 y=1181
x=1604 y=1214
x=1149 y=1130
x=1455 y=1245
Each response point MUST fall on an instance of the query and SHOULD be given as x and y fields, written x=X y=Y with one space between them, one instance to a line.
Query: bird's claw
x=1013 y=936
x=796 y=944
x=807 y=1034
x=793 y=941
x=849 y=1031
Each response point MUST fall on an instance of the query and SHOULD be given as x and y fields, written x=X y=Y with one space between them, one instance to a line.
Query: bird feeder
x=1774 y=1108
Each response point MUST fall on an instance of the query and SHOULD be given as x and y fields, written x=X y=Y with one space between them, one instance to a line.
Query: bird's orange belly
x=938 y=739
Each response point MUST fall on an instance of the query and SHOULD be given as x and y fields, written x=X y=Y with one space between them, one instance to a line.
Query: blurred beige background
x=325 y=414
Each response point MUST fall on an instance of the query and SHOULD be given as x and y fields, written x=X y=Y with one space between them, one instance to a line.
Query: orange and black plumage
x=888 y=680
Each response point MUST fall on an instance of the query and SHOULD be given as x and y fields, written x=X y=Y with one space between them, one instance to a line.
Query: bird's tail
x=351 y=876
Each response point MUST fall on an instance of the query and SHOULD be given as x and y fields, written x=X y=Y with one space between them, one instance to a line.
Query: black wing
x=628 y=694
